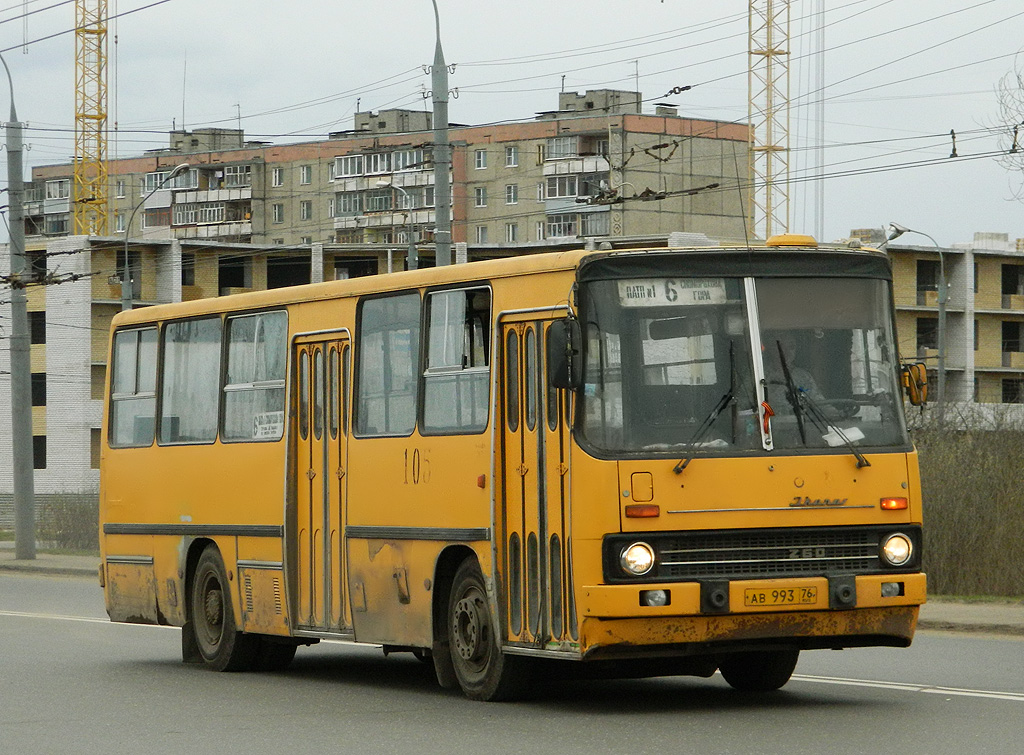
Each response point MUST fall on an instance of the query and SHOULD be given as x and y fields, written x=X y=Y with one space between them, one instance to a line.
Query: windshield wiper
x=709 y=421
x=792 y=394
x=824 y=425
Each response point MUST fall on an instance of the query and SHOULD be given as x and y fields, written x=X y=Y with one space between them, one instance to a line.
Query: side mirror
x=563 y=354
x=915 y=383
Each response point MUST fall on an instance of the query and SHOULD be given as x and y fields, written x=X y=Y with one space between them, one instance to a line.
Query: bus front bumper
x=750 y=614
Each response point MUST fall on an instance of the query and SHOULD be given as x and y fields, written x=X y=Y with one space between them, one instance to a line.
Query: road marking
x=60 y=617
x=906 y=687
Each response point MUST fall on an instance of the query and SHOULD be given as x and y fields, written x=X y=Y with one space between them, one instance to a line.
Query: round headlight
x=897 y=549
x=637 y=559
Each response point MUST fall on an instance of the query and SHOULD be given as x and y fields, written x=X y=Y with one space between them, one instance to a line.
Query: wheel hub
x=466 y=629
x=214 y=608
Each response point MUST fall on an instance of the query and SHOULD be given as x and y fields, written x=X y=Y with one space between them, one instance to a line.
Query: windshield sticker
x=660 y=292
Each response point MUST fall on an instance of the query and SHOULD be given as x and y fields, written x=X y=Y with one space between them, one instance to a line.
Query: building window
x=512 y=194
x=927 y=333
x=330 y=207
x=511 y=157
x=561 y=186
x=37 y=327
x=277 y=210
x=278 y=242
x=560 y=147
x=118 y=222
x=38 y=389
x=480 y=159
x=511 y=233
x=56 y=224
x=120 y=187
x=277 y=177
x=349 y=165
x=379 y=162
x=379 y=200
x=188 y=269
x=237 y=175
x=409 y=159
x=540 y=229
x=306 y=240
x=156 y=217
x=481 y=234
x=306 y=209
x=305 y=174
x=480 y=192
x=59 y=189
x=349 y=203
x=594 y=224
x=38 y=452
x=1013 y=391
x=562 y=225
x=94 y=447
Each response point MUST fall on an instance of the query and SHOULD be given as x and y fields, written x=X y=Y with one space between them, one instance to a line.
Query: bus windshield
x=684 y=365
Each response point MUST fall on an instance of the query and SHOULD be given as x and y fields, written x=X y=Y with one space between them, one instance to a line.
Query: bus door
x=322 y=374
x=534 y=505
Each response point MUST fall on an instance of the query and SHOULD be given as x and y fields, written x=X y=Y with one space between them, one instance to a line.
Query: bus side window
x=387 y=365
x=254 y=386
x=133 y=388
x=455 y=382
x=190 y=390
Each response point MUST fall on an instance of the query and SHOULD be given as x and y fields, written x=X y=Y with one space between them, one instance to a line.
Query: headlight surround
x=637 y=559
x=897 y=549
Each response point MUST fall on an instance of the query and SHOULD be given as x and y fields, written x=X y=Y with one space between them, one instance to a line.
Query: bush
x=69 y=521
x=973 y=510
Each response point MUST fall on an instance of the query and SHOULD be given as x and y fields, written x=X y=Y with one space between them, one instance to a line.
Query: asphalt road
x=70 y=682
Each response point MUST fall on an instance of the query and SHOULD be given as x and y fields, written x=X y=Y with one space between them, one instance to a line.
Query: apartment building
x=595 y=167
x=984 y=359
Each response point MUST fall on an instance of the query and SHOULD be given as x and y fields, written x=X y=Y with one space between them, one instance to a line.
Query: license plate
x=780 y=596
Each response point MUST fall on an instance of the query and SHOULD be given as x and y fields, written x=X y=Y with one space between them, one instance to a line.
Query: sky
x=898 y=76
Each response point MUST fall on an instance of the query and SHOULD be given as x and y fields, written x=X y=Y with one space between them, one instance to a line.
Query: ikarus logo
x=814 y=503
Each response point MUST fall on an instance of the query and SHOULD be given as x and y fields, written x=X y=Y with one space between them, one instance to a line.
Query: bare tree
x=1010 y=99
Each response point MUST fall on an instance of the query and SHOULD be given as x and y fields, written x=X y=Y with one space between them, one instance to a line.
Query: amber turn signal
x=642 y=510
x=893 y=504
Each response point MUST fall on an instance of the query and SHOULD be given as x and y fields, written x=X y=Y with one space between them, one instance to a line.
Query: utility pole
x=442 y=153
x=21 y=368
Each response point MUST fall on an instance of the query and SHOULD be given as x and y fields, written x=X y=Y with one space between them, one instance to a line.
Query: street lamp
x=895 y=231
x=126 y=279
x=413 y=258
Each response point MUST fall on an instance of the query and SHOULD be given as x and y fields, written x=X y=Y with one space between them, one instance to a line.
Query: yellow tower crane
x=768 y=115
x=89 y=198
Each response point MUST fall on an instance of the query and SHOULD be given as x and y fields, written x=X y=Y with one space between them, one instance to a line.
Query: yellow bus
x=648 y=461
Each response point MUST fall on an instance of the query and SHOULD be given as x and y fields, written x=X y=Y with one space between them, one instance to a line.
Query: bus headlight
x=897 y=549
x=637 y=559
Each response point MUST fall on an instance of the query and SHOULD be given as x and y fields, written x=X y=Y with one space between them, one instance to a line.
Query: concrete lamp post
x=126 y=278
x=413 y=258
x=895 y=231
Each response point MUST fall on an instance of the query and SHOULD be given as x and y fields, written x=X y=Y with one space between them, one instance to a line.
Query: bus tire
x=221 y=645
x=763 y=671
x=483 y=671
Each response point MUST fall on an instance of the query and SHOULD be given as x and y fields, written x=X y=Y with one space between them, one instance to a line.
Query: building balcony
x=927 y=298
x=231 y=229
x=214 y=195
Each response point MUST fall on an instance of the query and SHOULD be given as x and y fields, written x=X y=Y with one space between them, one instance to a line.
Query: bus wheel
x=221 y=645
x=764 y=671
x=483 y=671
